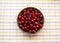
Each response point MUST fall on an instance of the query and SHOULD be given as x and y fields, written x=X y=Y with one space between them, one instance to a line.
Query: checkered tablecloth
x=10 y=32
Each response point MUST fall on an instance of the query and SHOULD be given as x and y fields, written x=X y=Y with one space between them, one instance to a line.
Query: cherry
x=28 y=11
x=34 y=19
x=31 y=25
x=33 y=15
x=30 y=20
x=33 y=31
x=37 y=26
x=36 y=11
x=41 y=16
x=38 y=19
x=25 y=27
x=40 y=25
x=36 y=14
x=34 y=26
x=24 y=10
x=30 y=30
x=20 y=25
x=32 y=11
x=19 y=17
x=25 y=24
x=22 y=18
x=25 y=13
x=36 y=22
x=22 y=21
x=36 y=29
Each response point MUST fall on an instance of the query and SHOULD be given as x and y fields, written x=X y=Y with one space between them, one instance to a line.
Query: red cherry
x=24 y=10
x=26 y=22
x=23 y=28
x=32 y=20
x=31 y=25
x=22 y=21
x=19 y=17
x=34 y=26
x=27 y=29
x=40 y=25
x=36 y=22
x=27 y=26
x=38 y=19
x=35 y=17
x=32 y=11
x=37 y=26
x=36 y=11
x=41 y=16
x=28 y=19
x=30 y=16
x=28 y=11
x=22 y=18
x=30 y=30
x=20 y=25
x=33 y=31
x=36 y=14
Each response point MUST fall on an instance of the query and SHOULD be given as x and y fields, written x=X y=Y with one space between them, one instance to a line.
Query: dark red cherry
x=28 y=11
x=20 y=25
x=23 y=28
x=37 y=26
x=33 y=31
x=25 y=13
x=31 y=25
x=19 y=17
x=34 y=27
x=25 y=10
x=30 y=20
x=36 y=22
x=40 y=25
x=30 y=31
x=22 y=18
x=22 y=21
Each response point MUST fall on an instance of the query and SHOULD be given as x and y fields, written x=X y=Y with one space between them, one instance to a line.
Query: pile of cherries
x=30 y=20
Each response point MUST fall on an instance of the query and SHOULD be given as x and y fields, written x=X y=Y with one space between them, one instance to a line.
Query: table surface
x=10 y=32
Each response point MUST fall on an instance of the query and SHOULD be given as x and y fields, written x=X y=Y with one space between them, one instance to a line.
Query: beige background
x=9 y=31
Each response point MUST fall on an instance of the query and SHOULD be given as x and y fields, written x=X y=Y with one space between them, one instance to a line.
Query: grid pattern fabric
x=10 y=32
